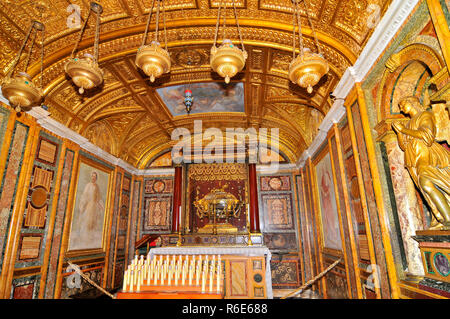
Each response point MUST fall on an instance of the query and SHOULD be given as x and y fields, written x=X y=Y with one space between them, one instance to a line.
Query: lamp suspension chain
x=41 y=10
x=157 y=21
x=97 y=37
x=224 y=20
x=238 y=27
x=81 y=34
x=217 y=23
x=21 y=50
x=312 y=26
x=300 y=32
x=293 y=34
x=42 y=58
x=164 y=24
x=30 y=51
x=144 y=39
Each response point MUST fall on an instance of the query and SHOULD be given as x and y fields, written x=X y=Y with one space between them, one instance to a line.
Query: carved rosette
x=153 y=60
x=227 y=60
x=21 y=92
x=85 y=72
x=307 y=69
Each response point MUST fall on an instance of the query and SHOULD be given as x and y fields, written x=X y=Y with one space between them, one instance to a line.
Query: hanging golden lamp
x=84 y=71
x=308 y=67
x=227 y=60
x=19 y=89
x=153 y=59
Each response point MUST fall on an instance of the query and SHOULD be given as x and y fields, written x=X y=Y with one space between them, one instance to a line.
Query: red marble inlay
x=23 y=292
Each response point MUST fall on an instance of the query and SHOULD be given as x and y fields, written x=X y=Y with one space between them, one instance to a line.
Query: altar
x=234 y=272
x=239 y=259
x=215 y=246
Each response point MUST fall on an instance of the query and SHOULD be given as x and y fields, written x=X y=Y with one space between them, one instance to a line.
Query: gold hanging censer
x=227 y=60
x=84 y=71
x=153 y=59
x=20 y=90
x=307 y=68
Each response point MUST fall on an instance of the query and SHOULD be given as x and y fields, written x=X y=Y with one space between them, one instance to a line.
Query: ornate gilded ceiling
x=126 y=116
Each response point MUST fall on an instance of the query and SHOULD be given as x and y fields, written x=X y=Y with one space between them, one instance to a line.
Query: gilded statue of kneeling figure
x=427 y=161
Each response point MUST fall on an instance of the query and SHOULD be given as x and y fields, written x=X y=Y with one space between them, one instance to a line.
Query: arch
x=415 y=58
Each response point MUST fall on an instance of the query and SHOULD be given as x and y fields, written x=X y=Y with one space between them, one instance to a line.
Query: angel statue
x=427 y=161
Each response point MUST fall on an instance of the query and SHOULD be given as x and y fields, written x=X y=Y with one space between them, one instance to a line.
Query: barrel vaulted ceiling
x=129 y=119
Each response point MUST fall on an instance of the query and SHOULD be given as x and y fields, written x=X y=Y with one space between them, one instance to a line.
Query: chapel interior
x=225 y=149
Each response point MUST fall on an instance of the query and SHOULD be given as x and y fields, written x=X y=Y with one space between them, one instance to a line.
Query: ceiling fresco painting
x=208 y=97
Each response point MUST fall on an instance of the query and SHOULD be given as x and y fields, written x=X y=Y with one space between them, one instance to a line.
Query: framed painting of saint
x=90 y=207
x=331 y=235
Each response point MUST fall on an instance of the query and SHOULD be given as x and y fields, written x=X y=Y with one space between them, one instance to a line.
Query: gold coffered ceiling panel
x=126 y=116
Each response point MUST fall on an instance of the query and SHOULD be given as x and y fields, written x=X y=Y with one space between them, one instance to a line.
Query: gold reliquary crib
x=218 y=207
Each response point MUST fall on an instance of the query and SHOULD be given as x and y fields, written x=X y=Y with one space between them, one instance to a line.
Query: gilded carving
x=101 y=135
x=266 y=25
x=217 y=172
x=427 y=161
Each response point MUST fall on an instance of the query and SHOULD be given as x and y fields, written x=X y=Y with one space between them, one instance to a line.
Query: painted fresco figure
x=427 y=161
x=327 y=198
x=91 y=204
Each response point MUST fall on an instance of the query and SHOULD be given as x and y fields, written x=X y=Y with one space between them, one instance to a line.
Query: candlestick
x=131 y=281
x=218 y=279
x=211 y=280
x=197 y=271
x=124 y=288
x=191 y=268
x=219 y=272
x=203 y=281
x=177 y=269
x=138 y=286
x=150 y=275
x=155 y=275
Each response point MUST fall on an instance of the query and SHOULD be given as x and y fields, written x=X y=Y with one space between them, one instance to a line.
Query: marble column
x=253 y=198
x=177 y=199
x=409 y=215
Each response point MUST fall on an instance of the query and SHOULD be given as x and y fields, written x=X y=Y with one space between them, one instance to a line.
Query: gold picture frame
x=337 y=249
x=105 y=177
